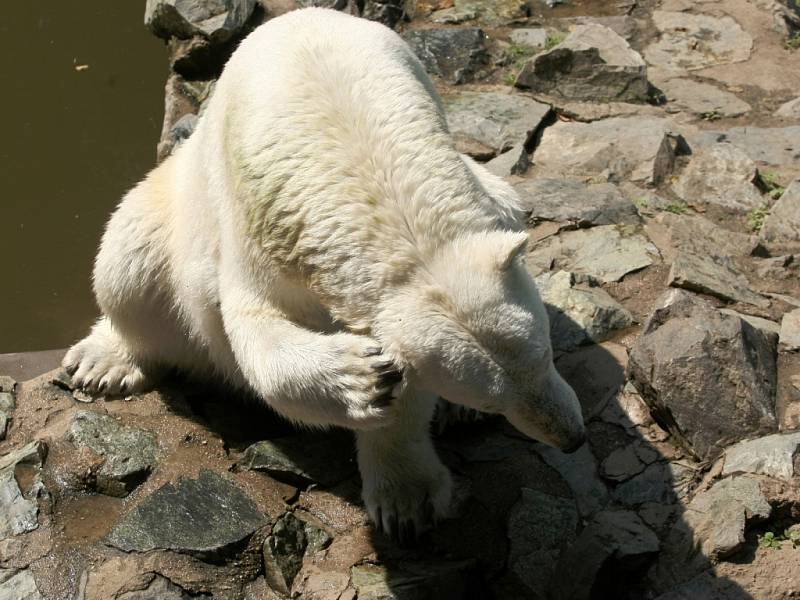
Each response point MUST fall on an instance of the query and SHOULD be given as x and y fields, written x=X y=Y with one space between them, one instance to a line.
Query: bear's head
x=475 y=331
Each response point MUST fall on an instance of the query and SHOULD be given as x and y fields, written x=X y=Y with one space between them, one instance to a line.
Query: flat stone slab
x=129 y=453
x=575 y=202
x=592 y=63
x=19 y=509
x=579 y=313
x=693 y=234
x=203 y=515
x=713 y=275
x=774 y=146
x=710 y=377
x=607 y=252
x=720 y=174
x=702 y=99
x=772 y=455
x=489 y=123
x=455 y=55
x=531 y=37
x=690 y=41
x=618 y=148
x=782 y=225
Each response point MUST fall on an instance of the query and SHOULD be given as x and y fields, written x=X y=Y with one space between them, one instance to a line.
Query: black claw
x=384 y=364
x=71 y=369
x=391 y=377
x=373 y=351
x=123 y=388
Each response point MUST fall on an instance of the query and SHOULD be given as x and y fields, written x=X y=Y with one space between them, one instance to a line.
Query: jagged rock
x=128 y=453
x=782 y=225
x=7 y=405
x=765 y=325
x=709 y=378
x=19 y=509
x=713 y=275
x=634 y=148
x=540 y=527
x=324 y=458
x=790 y=330
x=720 y=174
x=690 y=41
x=18 y=585
x=579 y=470
x=606 y=252
x=180 y=131
x=202 y=516
x=181 y=97
x=592 y=63
x=574 y=202
x=772 y=455
x=445 y=580
x=531 y=37
x=455 y=55
x=659 y=483
x=493 y=13
x=701 y=98
x=789 y=110
x=7 y=384
x=579 y=313
x=388 y=12
x=283 y=552
x=485 y=124
x=776 y=146
x=216 y=20
x=612 y=536
x=513 y=162
x=621 y=464
x=696 y=235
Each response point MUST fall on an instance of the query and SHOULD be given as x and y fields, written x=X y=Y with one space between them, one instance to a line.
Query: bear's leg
x=313 y=378
x=406 y=486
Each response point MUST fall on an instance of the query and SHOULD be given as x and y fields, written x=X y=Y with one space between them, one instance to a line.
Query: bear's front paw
x=368 y=380
x=405 y=501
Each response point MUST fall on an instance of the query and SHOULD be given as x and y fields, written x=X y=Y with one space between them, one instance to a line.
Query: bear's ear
x=513 y=245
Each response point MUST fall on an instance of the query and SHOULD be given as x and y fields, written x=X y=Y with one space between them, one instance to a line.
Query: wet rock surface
x=692 y=418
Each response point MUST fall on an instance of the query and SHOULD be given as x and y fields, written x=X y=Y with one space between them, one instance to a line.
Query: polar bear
x=319 y=241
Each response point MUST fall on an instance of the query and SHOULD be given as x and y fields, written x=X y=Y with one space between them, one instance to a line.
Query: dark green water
x=72 y=143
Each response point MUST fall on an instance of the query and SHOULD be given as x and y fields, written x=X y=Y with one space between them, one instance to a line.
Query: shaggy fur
x=317 y=234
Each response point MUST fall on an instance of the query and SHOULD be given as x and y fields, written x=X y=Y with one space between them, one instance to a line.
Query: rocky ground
x=656 y=147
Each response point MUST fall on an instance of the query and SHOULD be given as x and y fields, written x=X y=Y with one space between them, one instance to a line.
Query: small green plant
x=677 y=208
x=793 y=42
x=767 y=181
x=509 y=78
x=755 y=218
x=640 y=202
x=554 y=39
x=711 y=115
x=773 y=540
x=517 y=55
x=769 y=540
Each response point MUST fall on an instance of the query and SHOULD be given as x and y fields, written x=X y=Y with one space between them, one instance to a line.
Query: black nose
x=579 y=441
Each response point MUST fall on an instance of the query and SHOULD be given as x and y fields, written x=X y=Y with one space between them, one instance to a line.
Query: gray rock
x=659 y=483
x=709 y=378
x=7 y=405
x=203 y=516
x=689 y=41
x=18 y=585
x=713 y=275
x=493 y=13
x=443 y=580
x=455 y=55
x=592 y=63
x=613 y=536
x=772 y=455
x=765 y=325
x=159 y=587
x=489 y=123
x=388 y=12
x=621 y=464
x=574 y=202
x=606 y=252
x=782 y=225
x=540 y=526
x=283 y=552
x=633 y=148
x=720 y=174
x=696 y=235
x=789 y=110
x=775 y=146
x=179 y=132
x=531 y=37
x=129 y=453
x=790 y=330
x=719 y=516
x=513 y=162
x=454 y=14
x=701 y=98
x=19 y=509
x=579 y=470
x=623 y=26
x=579 y=314
x=7 y=384
x=216 y=20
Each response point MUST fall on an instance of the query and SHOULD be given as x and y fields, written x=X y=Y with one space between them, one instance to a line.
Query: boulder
x=698 y=236
x=513 y=162
x=592 y=63
x=455 y=55
x=782 y=225
x=575 y=203
x=485 y=124
x=19 y=509
x=128 y=453
x=639 y=149
x=713 y=275
x=720 y=174
x=690 y=41
x=790 y=330
x=709 y=378
x=215 y=20
x=203 y=516
x=773 y=455
x=579 y=312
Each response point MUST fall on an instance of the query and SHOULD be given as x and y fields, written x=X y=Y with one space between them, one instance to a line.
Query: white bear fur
x=320 y=210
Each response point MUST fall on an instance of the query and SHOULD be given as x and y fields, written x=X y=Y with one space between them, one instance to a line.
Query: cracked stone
x=19 y=509
x=216 y=20
x=782 y=225
x=455 y=55
x=772 y=455
x=713 y=275
x=702 y=98
x=621 y=464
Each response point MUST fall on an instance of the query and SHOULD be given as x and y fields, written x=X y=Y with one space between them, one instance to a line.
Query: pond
x=80 y=116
